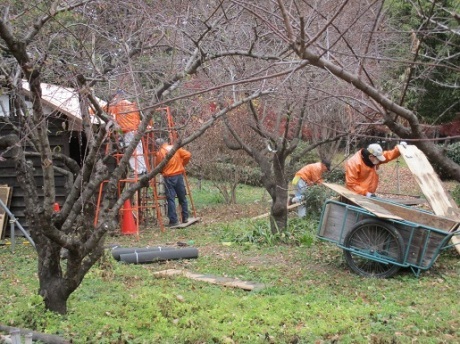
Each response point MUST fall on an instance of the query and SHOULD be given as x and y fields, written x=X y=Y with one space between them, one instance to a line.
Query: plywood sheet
x=224 y=281
x=430 y=183
x=364 y=202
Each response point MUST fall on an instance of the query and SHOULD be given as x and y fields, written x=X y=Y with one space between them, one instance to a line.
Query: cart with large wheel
x=390 y=236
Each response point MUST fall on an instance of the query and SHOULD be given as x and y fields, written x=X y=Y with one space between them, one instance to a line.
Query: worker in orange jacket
x=308 y=175
x=173 y=175
x=361 y=169
x=127 y=116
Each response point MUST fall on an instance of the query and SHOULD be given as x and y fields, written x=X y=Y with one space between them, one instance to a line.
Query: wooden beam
x=224 y=281
x=290 y=207
x=190 y=221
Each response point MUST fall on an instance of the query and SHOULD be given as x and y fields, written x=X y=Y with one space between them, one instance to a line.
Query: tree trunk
x=54 y=295
x=53 y=288
x=279 y=211
x=234 y=186
x=278 y=218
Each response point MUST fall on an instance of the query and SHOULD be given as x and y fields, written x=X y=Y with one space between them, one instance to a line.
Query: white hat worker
x=376 y=150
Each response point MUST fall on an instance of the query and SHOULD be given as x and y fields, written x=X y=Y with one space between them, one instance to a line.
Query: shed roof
x=64 y=100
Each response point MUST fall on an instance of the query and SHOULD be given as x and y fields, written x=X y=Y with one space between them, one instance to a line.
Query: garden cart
x=379 y=237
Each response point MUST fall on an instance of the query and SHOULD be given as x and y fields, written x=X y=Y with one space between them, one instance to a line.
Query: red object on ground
x=128 y=224
x=56 y=207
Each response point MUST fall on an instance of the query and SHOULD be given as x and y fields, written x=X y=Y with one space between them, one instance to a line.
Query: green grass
x=309 y=295
x=205 y=194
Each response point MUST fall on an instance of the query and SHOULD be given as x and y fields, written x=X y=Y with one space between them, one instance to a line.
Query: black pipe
x=154 y=256
x=117 y=251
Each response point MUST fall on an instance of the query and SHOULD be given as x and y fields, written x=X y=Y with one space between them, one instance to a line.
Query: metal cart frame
x=376 y=247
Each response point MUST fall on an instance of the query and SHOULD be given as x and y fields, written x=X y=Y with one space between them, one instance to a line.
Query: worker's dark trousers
x=175 y=186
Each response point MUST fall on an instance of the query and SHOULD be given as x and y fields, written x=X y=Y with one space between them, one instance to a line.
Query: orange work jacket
x=126 y=114
x=311 y=173
x=177 y=164
x=361 y=178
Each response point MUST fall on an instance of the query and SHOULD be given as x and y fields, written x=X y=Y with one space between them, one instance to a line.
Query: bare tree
x=353 y=63
x=271 y=132
x=224 y=168
x=102 y=48
x=152 y=50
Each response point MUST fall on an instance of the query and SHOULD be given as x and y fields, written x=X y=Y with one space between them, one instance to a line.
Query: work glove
x=370 y=194
x=403 y=143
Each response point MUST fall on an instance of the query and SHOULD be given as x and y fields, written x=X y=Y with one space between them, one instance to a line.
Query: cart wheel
x=378 y=239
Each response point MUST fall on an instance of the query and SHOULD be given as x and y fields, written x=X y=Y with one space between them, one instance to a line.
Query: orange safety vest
x=177 y=164
x=126 y=114
x=311 y=173
x=361 y=178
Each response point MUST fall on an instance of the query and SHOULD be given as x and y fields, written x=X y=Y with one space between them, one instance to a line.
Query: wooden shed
x=62 y=106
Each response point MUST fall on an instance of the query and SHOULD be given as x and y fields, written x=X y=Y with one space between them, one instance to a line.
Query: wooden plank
x=365 y=202
x=190 y=221
x=413 y=201
x=430 y=184
x=325 y=219
x=338 y=221
x=422 y=244
x=224 y=281
x=419 y=217
x=289 y=207
x=5 y=196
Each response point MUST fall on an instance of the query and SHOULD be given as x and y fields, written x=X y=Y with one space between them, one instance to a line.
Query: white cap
x=377 y=151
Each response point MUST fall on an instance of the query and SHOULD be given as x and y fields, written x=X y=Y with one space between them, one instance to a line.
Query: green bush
x=456 y=194
x=314 y=198
x=453 y=152
x=337 y=176
x=299 y=232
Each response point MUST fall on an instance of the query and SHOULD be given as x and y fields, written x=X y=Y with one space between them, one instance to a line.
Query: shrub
x=453 y=152
x=456 y=194
x=299 y=232
x=314 y=198
x=337 y=175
